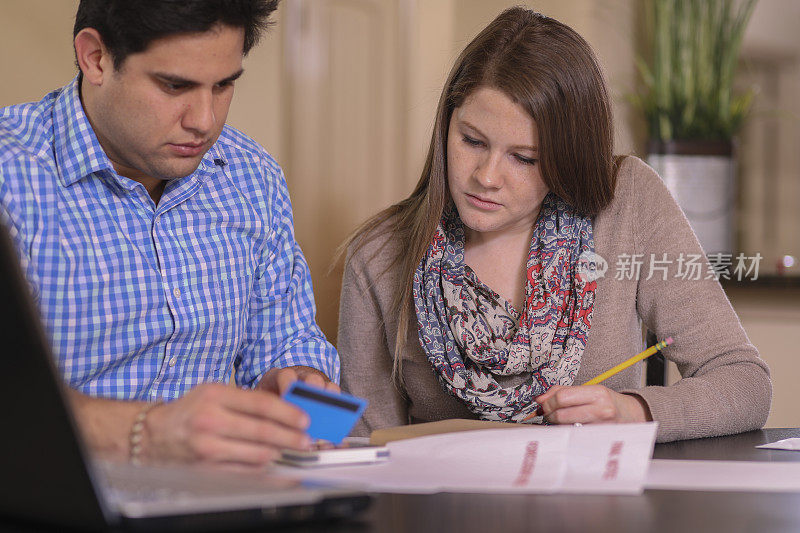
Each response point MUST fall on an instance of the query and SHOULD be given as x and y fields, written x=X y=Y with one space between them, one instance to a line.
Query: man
x=158 y=241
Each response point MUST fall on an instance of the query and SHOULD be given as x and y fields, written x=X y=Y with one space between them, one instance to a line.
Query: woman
x=472 y=297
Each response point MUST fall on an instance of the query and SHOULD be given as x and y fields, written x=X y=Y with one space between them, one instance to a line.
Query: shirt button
x=173 y=361
x=177 y=292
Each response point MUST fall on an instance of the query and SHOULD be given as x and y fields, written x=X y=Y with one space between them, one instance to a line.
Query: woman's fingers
x=568 y=405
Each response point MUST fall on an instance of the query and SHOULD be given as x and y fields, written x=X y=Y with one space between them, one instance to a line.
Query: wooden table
x=654 y=510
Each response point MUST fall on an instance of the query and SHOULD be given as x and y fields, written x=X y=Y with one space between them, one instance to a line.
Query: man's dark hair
x=129 y=26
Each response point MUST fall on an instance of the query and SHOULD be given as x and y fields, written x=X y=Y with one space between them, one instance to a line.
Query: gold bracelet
x=137 y=432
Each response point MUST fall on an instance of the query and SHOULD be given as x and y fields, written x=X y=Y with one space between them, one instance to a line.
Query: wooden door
x=344 y=125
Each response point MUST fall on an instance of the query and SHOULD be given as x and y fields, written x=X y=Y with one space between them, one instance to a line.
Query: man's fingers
x=265 y=405
x=315 y=380
x=216 y=449
x=277 y=380
x=331 y=386
x=258 y=431
x=285 y=377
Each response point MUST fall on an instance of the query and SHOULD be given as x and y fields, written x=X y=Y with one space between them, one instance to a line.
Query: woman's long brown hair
x=549 y=70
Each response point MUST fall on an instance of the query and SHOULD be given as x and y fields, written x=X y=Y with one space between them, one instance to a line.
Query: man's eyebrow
x=178 y=80
x=516 y=147
x=233 y=77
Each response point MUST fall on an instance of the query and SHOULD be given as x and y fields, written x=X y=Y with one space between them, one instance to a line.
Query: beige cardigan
x=725 y=387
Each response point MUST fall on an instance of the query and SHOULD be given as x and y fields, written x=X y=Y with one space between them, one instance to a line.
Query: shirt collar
x=78 y=152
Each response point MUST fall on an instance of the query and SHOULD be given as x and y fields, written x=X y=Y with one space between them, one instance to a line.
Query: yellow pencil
x=623 y=365
x=630 y=362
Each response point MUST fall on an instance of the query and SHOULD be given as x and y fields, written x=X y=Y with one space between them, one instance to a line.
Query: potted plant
x=691 y=109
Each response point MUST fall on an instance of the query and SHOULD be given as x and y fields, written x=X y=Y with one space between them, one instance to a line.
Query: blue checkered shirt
x=145 y=301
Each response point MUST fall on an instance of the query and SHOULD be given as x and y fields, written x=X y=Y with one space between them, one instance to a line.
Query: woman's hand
x=591 y=404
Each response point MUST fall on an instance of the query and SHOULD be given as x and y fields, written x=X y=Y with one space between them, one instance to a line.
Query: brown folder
x=380 y=437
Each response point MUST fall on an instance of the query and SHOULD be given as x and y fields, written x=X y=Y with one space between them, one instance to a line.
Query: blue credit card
x=333 y=414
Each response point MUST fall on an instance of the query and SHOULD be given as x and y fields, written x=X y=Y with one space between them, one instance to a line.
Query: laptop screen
x=41 y=457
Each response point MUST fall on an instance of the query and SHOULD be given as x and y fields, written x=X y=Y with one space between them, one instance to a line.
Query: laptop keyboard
x=144 y=494
x=126 y=482
x=151 y=491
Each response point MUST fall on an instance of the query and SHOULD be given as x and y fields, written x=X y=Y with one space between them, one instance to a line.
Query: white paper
x=747 y=476
x=785 y=444
x=610 y=458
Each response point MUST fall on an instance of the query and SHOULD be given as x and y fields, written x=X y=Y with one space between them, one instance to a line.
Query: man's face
x=165 y=107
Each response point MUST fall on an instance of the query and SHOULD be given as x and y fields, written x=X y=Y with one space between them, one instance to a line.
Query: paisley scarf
x=471 y=335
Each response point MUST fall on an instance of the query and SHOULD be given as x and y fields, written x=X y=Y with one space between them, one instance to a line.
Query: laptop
x=48 y=476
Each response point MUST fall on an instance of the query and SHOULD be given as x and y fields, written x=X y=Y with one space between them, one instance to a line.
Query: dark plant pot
x=711 y=148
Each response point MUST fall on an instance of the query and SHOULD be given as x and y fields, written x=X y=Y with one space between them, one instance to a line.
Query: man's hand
x=591 y=404
x=278 y=380
x=212 y=423
x=219 y=424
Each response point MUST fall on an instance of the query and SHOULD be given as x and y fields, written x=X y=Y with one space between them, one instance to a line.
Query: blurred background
x=343 y=93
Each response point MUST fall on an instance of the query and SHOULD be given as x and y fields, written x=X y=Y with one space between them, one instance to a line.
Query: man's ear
x=94 y=58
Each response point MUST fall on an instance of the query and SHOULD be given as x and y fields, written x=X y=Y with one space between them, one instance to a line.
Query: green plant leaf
x=687 y=78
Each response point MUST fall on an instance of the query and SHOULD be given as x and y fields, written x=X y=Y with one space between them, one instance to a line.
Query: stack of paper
x=738 y=476
x=589 y=459
x=785 y=444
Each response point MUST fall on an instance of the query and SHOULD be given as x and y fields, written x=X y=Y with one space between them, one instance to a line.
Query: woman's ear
x=93 y=57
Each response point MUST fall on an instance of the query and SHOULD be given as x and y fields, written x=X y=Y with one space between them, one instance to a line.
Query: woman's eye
x=525 y=160
x=472 y=142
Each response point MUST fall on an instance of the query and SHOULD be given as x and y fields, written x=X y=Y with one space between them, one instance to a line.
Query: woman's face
x=492 y=167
